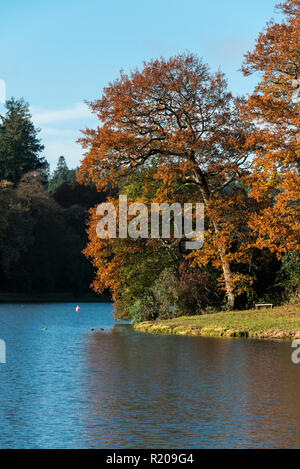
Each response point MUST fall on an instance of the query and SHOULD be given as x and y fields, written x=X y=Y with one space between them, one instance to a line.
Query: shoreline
x=280 y=323
x=53 y=298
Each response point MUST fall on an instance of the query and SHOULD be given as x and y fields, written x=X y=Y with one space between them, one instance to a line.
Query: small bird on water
x=44 y=328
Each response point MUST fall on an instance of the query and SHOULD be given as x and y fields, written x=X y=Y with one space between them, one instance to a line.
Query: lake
x=71 y=387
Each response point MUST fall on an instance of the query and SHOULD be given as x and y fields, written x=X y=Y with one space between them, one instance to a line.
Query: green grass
x=282 y=322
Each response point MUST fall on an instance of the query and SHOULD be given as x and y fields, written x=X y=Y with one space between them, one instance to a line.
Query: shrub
x=145 y=308
x=288 y=277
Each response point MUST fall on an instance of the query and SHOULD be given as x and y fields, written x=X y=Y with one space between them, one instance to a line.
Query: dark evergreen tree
x=20 y=146
x=62 y=174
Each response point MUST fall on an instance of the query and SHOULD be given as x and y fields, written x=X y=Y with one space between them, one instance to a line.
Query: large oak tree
x=180 y=114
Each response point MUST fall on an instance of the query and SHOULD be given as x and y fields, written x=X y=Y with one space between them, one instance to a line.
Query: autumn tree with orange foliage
x=182 y=116
x=274 y=107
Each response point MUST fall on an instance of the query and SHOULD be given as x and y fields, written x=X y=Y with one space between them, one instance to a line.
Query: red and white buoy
x=77 y=308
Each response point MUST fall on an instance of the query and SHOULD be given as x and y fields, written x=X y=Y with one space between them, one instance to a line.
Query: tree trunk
x=226 y=271
x=205 y=192
x=228 y=280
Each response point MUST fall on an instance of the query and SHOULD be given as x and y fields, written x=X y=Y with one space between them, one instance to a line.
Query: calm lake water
x=70 y=387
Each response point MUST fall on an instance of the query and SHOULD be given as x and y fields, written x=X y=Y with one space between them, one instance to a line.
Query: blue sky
x=57 y=53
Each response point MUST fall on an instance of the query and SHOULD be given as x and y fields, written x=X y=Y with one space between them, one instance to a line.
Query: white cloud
x=72 y=152
x=79 y=111
x=59 y=132
x=53 y=132
x=60 y=129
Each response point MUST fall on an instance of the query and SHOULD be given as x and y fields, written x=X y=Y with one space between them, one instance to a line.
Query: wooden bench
x=264 y=305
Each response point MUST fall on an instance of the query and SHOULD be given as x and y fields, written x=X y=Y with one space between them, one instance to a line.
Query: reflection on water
x=73 y=387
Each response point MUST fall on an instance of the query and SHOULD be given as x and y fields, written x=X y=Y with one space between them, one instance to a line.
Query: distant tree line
x=42 y=215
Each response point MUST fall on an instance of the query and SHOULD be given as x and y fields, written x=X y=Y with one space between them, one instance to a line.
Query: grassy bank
x=282 y=322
